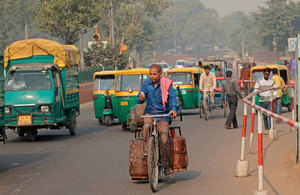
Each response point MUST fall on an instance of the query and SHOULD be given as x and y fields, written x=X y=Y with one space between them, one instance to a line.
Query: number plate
x=24 y=120
x=124 y=103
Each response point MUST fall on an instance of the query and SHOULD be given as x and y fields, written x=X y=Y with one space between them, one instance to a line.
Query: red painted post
x=252 y=125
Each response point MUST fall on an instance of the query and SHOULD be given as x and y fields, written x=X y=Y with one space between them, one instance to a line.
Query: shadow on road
x=10 y=161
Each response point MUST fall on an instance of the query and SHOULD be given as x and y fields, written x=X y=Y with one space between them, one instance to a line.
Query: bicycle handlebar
x=154 y=116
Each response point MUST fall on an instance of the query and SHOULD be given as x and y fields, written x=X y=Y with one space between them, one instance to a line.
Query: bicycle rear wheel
x=153 y=170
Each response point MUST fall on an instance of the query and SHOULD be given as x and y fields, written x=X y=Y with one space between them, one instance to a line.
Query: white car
x=180 y=63
x=164 y=65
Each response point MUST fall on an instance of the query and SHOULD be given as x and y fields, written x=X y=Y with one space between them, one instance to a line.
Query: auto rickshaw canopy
x=106 y=72
x=64 y=55
x=191 y=69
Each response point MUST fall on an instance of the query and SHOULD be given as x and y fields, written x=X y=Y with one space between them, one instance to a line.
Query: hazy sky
x=227 y=6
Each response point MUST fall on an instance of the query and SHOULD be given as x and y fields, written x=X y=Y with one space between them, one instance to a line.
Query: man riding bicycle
x=208 y=82
x=161 y=99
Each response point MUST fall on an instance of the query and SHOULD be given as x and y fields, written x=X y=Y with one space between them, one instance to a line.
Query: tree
x=107 y=56
x=67 y=21
x=277 y=22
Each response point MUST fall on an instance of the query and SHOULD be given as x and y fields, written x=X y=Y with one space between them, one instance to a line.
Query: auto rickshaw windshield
x=28 y=80
x=104 y=82
x=130 y=82
x=182 y=78
x=256 y=75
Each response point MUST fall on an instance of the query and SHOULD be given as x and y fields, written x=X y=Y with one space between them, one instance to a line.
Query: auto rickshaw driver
x=161 y=99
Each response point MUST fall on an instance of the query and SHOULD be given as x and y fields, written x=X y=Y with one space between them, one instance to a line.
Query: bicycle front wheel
x=206 y=109
x=153 y=170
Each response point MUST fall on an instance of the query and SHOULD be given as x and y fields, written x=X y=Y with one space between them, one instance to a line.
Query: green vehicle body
x=128 y=84
x=186 y=87
x=62 y=97
x=99 y=104
x=2 y=117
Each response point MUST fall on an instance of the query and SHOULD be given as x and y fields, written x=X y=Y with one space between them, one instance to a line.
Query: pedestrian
x=245 y=77
x=265 y=97
x=278 y=100
x=161 y=99
x=208 y=82
x=212 y=68
x=231 y=90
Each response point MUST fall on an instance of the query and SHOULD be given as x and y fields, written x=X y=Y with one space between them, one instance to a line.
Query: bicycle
x=205 y=105
x=154 y=165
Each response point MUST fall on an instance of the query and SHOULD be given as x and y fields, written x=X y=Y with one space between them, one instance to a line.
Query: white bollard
x=252 y=125
x=242 y=166
x=271 y=131
x=260 y=158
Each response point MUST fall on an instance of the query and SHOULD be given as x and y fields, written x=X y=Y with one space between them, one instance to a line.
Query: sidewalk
x=280 y=174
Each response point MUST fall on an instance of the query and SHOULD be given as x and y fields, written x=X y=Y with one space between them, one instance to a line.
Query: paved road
x=95 y=161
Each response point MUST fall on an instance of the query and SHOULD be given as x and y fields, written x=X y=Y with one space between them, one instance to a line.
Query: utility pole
x=175 y=39
x=112 y=24
x=288 y=2
x=243 y=39
x=81 y=51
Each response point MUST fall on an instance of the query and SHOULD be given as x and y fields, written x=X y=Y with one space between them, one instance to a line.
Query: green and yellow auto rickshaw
x=186 y=85
x=256 y=73
x=127 y=85
x=2 y=121
x=104 y=96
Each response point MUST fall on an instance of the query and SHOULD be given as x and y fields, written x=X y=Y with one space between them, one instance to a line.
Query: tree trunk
x=112 y=24
x=26 y=30
x=81 y=51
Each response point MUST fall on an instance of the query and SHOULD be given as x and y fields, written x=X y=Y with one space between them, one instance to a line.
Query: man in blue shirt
x=152 y=92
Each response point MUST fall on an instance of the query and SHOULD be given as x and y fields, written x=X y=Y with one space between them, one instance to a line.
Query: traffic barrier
x=273 y=116
x=252 y=126
x=242 y=166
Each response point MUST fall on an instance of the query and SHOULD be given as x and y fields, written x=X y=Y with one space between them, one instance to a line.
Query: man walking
x=278 y=101
x=231 y=89
x=208 y=82
x=265 y=97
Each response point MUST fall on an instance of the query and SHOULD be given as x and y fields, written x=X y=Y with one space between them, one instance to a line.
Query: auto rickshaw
x=256 y=73
x=186 y=86
x=2 y=121
x=219 y=65
x=104 y=96
x=191 y=62
x=127 y=86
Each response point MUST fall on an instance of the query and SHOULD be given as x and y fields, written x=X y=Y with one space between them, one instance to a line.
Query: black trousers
x=233 y=104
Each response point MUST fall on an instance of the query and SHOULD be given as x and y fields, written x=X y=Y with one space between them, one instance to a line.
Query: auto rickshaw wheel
x=3 y=135
x=107 y=120
x=99 y=121
x=72 y=125
x=31 y=134
x=20 y=132
x=124 y=126
x=180 y=113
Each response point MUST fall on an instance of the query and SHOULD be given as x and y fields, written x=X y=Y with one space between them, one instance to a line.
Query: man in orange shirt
x=245 y=77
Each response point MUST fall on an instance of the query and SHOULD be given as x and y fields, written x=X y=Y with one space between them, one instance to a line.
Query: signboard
x=292 y=42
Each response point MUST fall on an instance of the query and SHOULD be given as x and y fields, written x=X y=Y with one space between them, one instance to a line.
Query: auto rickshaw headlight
x=7 y=110
x=130 y=90
x=45 y=109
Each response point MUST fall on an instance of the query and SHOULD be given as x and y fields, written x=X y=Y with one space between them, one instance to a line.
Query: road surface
x=95 y=161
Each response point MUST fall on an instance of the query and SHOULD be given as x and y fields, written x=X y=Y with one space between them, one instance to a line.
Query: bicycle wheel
x=153 y=170
x=206 y=109
x=201 y=110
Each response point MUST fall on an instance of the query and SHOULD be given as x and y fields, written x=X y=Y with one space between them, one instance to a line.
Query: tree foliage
x=277 y=22
x=107 y=56
x=66 y=18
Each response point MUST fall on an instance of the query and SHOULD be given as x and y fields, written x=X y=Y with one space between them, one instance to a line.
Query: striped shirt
x=264 y=84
